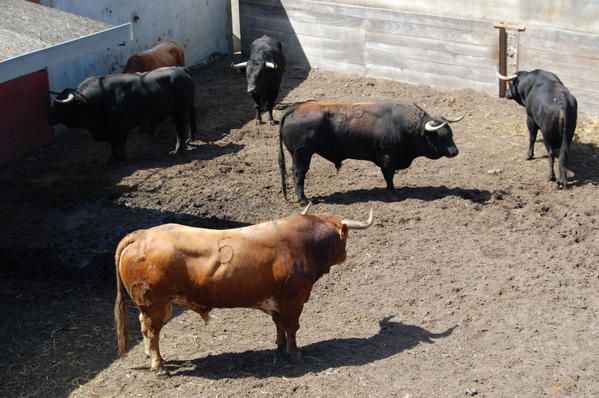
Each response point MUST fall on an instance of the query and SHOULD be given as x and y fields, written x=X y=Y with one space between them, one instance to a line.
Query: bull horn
x=69 y=98
x=240 y=65
x=457 y=119
x=506 y=78
x=351 y=224
x=53 y=92
x=430 y=125
x=271 y=65
x=305 y=211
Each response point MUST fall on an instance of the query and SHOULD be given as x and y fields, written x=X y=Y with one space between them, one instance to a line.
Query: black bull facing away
x=390 y=135
x=109 y=106
x=549 y=107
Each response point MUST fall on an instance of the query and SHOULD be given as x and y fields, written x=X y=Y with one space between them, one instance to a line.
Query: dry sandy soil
x=478 y=278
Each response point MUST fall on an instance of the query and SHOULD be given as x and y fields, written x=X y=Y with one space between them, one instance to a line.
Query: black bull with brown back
x=389 y=134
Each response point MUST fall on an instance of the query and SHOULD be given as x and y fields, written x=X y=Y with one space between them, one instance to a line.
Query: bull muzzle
x=352 y=224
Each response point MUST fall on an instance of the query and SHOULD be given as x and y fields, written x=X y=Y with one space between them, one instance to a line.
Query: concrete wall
x=201 y=27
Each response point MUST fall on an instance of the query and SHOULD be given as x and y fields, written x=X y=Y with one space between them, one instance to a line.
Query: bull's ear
x=342 y=231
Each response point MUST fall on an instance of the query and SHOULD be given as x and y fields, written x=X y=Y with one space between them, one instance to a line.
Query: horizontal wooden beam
x=40 y=59
x=502 y=25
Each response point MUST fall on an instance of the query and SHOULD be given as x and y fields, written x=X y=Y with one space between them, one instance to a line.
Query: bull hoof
x=176 y=152
x=162 y=372
x=551 y=178
x=529 y=156
x=561 y=185
x=258 y=122
x=273 y=122
x=296 y=358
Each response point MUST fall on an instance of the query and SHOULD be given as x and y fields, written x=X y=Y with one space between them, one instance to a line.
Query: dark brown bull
x=270 y=266
x=167 y=53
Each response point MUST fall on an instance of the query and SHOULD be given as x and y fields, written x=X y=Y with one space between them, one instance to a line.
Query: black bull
x=264 y=71
x=549 y=107
x=109 y=106
x=388 y=134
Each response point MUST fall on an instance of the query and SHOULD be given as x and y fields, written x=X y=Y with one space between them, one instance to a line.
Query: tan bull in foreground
x=270 y=266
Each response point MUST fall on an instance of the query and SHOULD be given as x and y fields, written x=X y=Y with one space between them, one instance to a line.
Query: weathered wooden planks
x=573 y=56
x=418 y=48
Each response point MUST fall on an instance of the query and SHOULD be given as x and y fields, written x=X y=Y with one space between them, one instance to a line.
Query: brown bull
x=270 y=266
x=167 y=53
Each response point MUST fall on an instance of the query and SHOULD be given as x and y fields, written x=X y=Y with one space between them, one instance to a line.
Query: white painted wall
x=200 y=26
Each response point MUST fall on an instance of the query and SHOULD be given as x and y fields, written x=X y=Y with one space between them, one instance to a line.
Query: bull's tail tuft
x=120 y=308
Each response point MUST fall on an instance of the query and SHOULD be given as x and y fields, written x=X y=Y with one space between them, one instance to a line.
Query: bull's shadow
x=584 y=162
x=391 y=339
x=425 y=193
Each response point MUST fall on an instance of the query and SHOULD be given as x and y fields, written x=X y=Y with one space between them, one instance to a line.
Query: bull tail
x=120 y=309
x=563 y=151
x=282 y=168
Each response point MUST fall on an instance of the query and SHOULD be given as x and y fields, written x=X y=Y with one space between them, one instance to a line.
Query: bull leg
x=563 y=167
x=281 y=338
x=258 y=108
x=301 y=164
x=117 y=144
x=270 y=105
x=291 y=325
x=550 y=159
x=181 y=127
x=144 y=321
x=532 y=137
x=154 y=319
x=388 y=173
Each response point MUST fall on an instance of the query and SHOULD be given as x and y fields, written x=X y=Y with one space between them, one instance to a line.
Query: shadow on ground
x=584 y=161
x=391 y=339
x=400 y=194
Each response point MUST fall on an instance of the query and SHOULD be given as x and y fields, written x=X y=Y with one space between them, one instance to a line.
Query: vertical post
x=235 y=27
x=502 y=59
x=502 y=62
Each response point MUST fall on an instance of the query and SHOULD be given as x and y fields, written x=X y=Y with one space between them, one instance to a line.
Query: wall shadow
x=584 y=162
x=391 y=339
x=426 y=193
x=61 y=334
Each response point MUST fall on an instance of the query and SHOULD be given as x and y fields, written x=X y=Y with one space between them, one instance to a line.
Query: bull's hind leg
x=301 y=164
x=563 y=167
x=550 y=159
x=532 y=137
x=281 y=338
x=154 y=319
x=180 y=121
x=144 y=322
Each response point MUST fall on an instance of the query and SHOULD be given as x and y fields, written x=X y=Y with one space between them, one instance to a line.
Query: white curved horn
x=271 y=65
x=69 y=98
x=506 y=78
x=351 y=224
x=240 y=65
x=430 y=125
x=457 y=119
x=305 y=211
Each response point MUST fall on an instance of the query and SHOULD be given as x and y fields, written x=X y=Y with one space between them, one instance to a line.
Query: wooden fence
x=442 y=51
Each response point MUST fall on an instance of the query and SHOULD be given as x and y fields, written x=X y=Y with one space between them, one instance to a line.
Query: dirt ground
x=478 y=277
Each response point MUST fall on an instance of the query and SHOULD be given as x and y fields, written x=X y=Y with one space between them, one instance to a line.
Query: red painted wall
x=24 y=105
